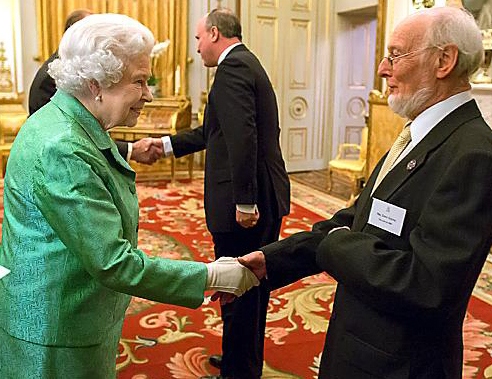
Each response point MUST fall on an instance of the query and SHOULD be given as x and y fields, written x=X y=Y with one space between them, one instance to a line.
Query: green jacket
x=70 y=234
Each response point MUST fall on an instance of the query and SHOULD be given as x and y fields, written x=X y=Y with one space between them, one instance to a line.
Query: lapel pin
x=411 y=165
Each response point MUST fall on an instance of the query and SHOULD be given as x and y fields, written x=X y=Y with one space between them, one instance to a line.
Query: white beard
x=410 y=106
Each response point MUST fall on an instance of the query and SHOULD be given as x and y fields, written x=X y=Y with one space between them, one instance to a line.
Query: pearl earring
x=98 y=98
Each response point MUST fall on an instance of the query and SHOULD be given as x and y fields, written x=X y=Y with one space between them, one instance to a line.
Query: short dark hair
x=75 y=16
x=226 y=22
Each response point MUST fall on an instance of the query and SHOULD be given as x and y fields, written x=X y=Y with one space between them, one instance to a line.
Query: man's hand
x=255 y=261
x=226 y=274
x=224 y=297
x=247 y=220
x=147 y=150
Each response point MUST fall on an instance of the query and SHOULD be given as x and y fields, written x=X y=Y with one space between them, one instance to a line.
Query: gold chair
x=384 y=126
x=349 y=165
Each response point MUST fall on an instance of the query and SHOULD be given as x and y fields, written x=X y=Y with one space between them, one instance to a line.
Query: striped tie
x=398 y=146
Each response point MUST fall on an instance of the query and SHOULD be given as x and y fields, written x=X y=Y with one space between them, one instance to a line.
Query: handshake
x=147 y=150
x=234 y=276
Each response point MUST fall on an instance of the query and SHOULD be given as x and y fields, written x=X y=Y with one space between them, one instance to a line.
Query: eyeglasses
x=392 y=59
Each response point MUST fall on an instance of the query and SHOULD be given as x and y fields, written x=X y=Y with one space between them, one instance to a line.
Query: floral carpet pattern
x=165 y=342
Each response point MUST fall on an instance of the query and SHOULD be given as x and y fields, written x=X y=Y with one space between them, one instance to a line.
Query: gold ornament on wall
x=159 y=49
x=418 y=4
x=5 y=73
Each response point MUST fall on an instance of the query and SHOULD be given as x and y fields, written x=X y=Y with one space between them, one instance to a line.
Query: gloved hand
x=226 y=274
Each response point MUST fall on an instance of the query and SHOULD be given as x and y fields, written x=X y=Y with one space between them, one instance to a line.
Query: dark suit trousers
x=244 y=319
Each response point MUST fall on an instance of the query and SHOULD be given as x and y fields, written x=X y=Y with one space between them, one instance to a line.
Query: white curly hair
x=98 y=48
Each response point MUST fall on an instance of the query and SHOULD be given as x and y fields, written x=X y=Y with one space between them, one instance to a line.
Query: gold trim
x=376 y=97
x=380 y=42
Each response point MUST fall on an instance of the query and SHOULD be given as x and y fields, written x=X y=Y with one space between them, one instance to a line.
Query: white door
x=287 y=36
x=354 y=75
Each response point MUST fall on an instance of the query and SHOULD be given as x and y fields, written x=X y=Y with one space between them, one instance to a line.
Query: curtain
x=167 y=19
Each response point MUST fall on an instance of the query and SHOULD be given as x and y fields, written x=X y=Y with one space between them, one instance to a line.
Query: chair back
x=363 y=143
x=383 y=126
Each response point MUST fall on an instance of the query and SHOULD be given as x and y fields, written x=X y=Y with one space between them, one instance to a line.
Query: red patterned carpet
x=163 y=342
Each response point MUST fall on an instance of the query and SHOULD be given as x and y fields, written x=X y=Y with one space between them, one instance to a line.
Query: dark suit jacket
x=244 y=164
x=43 y=88
x=401 y=300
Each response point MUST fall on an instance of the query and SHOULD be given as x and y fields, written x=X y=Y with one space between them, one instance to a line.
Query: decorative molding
x=267 y=48
x=298 y=108
x=297 y=146
x=356 y=107
x=301 y=6
x=301 y=35
x=268 y=4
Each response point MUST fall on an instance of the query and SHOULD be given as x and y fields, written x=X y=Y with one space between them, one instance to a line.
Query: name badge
x=4 y=271
x=387 y=216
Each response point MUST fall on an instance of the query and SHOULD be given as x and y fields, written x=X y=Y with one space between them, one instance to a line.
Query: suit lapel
x=410 y=165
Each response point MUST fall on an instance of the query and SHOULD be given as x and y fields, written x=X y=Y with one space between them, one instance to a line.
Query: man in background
x=247 y=190
x=408 y=253
x=146 y=150
x=43 y=86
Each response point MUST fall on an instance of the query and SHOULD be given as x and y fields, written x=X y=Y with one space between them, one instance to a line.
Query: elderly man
x=407 y=254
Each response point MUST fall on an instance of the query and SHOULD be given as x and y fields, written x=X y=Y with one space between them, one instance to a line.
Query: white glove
x=226 y=274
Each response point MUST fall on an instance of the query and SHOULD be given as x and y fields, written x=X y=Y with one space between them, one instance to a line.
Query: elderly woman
x=71 y=216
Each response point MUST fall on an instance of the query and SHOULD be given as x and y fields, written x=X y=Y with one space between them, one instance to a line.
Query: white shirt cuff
x=129 y=152
x=247 y=208
x=168 y=147
x=339 y=228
